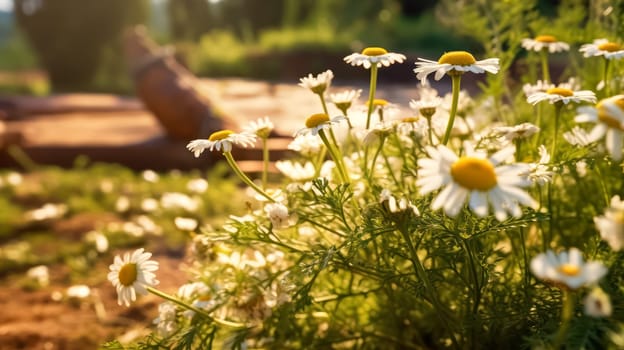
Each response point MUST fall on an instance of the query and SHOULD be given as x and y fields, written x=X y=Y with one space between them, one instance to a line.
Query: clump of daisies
x=449 y=218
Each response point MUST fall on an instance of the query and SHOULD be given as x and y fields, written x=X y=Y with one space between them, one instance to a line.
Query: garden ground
x=32 y=319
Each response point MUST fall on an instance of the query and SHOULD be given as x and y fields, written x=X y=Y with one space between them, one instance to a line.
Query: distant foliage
x=69 y=36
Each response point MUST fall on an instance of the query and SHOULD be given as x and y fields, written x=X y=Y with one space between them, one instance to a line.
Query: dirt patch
x=37 y=320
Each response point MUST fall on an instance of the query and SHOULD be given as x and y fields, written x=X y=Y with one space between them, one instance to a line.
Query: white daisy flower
x=475 y=178
x=166 y=323
x=454 y=62
x=561 y=94
x=426 y=105
x=603 y=47
x=611 y=224
x=98 y=239
x=296 y=171
x=261 y=127
x=374 y=56
x=567 y=269
x=197 y=185
x=539 y=86
x=132 y=274
x=78 y=291
x=185 y=224
x=319 y=84
x=48 y=211
x=177 y=200
x=577 y=137
x=388 y=201
x=40 y=274
x=306 y=144
x=608 y=115
x=277 y=213
x=597 y=303
x=545 y=42
x=344 y=100
x=223 y=139
x=150 y=176
x=317 y=122
x=540 y=172
x=377 y=131
x=520 y=131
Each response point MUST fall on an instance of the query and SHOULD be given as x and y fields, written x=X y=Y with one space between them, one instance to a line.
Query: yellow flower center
x=569 y=270
x=545 y=39
x=409 y=119
x=459 y=58
x=560 y=92
x=220 y=135
x=316 y=119
x=128 y=274
x=610 y=47
x=374 y=51
x=378 y=102
x=474 y=173
x=617 y=216
x=605 y=116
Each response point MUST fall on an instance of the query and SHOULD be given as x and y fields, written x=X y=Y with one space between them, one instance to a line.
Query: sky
x=6 y=5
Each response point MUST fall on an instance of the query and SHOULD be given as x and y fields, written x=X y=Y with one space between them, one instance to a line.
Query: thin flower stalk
x=371 y=94
x=171 y=298
x=456 y=82
x=230 y=159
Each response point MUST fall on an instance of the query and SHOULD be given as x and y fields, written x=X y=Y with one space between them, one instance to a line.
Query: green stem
x=421 y=273
x=553 y=149
x=323 y=103
x=456 y=81
x=430 y=131
x=545 y=69
x=607 y=77
x=265 y=162
x=199 y=311
x=371 y=93
x=567 y=312
x=243 y=177
x=335 y=156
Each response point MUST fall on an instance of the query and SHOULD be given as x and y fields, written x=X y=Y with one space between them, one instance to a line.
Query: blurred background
x=76 y=45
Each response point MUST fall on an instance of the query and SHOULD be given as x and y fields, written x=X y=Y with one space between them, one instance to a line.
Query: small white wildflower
x=149 y=205
x=318 y=84
x=150 y=176
x=540 y=172
x=454 y=62
x=563 y=95
x=185 y=224
x=611 y=224
x=277 y=213
x=40 y=274
x=99 y=240
x=221 y=140
x=198 y=185
x=316 y=123
x=307 y=145
x=132 y=274
x=374 y=56
x=261 y=127
x=78 y=291
x=520 y=131
x=122 y=204
x=603 y=47
x=567 y=268
x=296 y=171
x=577 y=137
x=545 y=42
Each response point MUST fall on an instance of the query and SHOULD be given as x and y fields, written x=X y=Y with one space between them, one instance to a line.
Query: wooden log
x=170 y=91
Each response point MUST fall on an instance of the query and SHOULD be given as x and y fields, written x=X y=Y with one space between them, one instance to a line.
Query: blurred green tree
x=70 y=36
